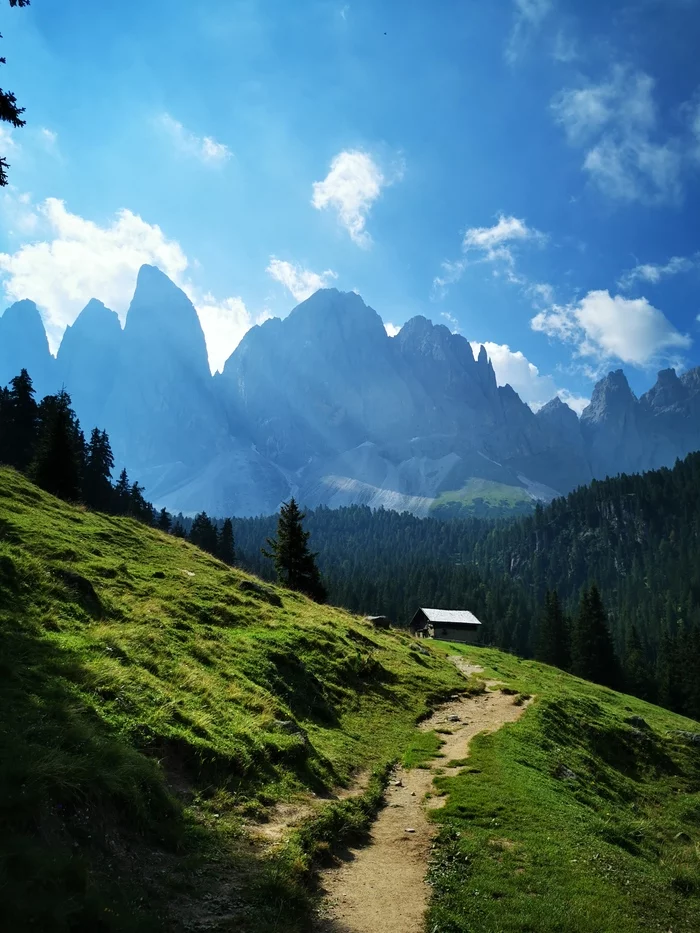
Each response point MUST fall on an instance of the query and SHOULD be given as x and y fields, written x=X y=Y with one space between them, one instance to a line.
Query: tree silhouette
x=9 y=111
x=57 y=467
x=593 y=656
x=164 y=522
x=227 y=548
x=203 y=533
x=99 y=463
x=553 y=636
x=295 y=564
x=20 y=417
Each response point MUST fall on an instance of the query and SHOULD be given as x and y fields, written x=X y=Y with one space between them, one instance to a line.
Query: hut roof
x=450 y=616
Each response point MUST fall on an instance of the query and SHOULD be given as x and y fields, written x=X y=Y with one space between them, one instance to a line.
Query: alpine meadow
x=349 y=467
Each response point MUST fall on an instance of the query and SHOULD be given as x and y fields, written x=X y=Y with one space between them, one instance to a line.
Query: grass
x=157 y=704
x=572 y=818
x=155 y=701
x=482 y=498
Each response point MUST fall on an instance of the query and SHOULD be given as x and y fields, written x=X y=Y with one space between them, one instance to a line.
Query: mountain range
x=324 y=405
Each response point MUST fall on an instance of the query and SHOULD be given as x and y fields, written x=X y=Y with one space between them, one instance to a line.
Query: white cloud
x=391 y=329
x=529 y=16
x=451 y=320
x=224 y=323
x=299 y=281
x=653 y=273
x=488 y=244
x=615 y=122
x=513 y=368
x=565 y=49
x=576 y=402
x=204 y=148
x=48 y=137
x=352 y=185
x=69 y=260
x=603 y=326
x=8 y=144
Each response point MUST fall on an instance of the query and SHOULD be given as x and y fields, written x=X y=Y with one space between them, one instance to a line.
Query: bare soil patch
x=381 y=888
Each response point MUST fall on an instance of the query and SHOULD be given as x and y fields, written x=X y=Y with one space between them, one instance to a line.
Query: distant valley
x=324 y=405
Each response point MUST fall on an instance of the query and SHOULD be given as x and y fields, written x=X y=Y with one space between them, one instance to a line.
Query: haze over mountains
x=326 y=406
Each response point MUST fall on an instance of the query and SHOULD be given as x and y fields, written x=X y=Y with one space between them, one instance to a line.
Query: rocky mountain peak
x=556 y=412
x=24 y=345
x=611 y=398
x=666 y=393
x=162 y=322
x=95 y=323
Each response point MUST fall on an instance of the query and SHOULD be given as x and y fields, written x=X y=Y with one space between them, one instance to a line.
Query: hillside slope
x=159 y=707
x=153 y=699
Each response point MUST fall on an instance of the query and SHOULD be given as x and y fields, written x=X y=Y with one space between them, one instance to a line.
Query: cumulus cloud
x=488 y=244
x=615 y=122
x=299 y=281
x=654 y=273
x=529 y=16
x=352 y=185
x=203 y=148
x=604 y=327
x=391 y=329
x=66 y=260
x=513 y=368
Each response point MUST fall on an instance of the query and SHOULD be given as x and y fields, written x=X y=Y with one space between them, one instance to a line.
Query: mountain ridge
x=324 y=405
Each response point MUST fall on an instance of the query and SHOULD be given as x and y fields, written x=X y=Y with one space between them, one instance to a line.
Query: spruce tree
x=636 y=669
x=21 y=422
x=165 y=521
x=295 y=565
x=99 y=463
x=57 y=467
x=593 y=656
x=226 y=548
x=122 y=494
x=10 y=111
x=553 y=636
x=203 y=533
x=138 y=507
x=178 y=530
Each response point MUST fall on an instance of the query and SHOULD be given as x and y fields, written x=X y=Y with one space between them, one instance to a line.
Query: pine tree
x=179 y=529
x=295 y=565
x=593 y=656
x=226 y=547
x=99 y=463
x=636 y=670
x=21 y=422
x=57 y=467
x=203 y=533
x=165 y=521
x=553 y=636
x=122 y=494
x=10 y=112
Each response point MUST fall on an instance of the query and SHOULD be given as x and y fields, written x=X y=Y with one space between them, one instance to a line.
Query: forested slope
x=637 y=537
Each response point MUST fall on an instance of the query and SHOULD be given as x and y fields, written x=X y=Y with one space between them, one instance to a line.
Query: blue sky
x=525 y=171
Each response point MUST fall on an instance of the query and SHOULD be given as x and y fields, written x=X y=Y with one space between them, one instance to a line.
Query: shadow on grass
x=92 y=840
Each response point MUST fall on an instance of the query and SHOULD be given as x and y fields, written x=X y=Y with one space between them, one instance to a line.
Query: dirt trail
x=381 y=887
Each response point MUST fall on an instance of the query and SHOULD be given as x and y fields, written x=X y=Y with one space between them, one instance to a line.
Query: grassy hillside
x=582 y=816
x=158 y=706
x=153 y=700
